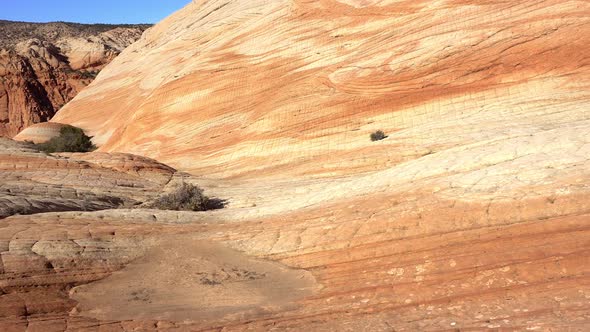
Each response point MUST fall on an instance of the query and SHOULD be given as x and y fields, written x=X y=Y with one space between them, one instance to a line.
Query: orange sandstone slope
x=226 y=88
x=473 y=214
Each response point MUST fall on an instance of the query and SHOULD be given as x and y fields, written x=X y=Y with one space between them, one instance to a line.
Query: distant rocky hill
x=44 y=65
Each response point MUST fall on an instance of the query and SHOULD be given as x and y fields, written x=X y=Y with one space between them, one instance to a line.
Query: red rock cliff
x=43 y=66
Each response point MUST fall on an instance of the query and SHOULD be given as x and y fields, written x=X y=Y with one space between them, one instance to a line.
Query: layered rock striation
x=34 y=182
x=472 y=214
x=234 y=88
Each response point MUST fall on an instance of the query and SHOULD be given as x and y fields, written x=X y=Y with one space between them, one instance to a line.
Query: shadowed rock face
x=43 y=66
x=473 y=214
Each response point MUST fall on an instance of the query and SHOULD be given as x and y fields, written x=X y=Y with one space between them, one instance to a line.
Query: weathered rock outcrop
x=34 y=182
x=473 y=214
x=40 y=132
x=43 y=66
x=471 y=244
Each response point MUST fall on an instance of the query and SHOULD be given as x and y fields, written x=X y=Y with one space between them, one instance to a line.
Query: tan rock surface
x=400 y=268
x=474 y=213
x=40 y=132
x=34 y=182
x=43 y=66
x=215 y=90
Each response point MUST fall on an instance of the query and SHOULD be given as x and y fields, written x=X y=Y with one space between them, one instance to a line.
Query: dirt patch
x=184 y=279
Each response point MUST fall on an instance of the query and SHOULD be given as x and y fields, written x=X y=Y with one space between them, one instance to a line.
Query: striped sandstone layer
x=473 y=214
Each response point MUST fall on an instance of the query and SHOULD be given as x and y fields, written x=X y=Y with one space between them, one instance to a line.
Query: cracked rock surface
x=473 y=214
x=34 y=182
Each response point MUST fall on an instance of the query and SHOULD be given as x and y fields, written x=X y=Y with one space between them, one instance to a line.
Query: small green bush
x=378 y=135
x=186 y=197
x=70 y=139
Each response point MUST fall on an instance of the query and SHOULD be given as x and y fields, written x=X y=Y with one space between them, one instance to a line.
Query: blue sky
x=89 y=11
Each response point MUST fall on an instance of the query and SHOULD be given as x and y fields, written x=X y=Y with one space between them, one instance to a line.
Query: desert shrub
x=378 y=135
x=82 y=74
x=88 y=74
x=186 y=197
x=70 y=139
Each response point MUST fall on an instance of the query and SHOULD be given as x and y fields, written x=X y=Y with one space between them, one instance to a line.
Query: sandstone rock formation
x=40 y=132
x=473 y=214
x=216 y=85
x=34 y=182
x=43 y=66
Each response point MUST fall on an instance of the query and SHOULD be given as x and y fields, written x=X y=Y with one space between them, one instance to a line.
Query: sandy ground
x=182 y=278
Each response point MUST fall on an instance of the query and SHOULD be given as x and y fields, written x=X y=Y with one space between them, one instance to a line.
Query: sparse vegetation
x=70 y=139
x=15 y=32
x=378 y=135
x=187 y=197
x=83 y=74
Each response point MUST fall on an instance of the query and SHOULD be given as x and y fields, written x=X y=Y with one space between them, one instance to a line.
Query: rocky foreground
x=493 y=244
x=473 y=214
x=44 y=65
